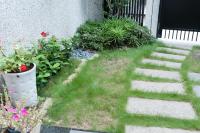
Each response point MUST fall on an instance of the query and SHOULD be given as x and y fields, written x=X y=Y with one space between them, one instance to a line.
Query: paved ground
x=169 y=56
x=137 y=129
x=196 y=90
x=173 y=109
x=162 y=63
x=194 y=76
x=163 y=108
x=175 y=51
x=158 y=87
x=173 y=75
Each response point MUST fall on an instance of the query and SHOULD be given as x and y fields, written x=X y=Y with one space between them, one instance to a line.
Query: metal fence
x=133 y=9
x=181 y=34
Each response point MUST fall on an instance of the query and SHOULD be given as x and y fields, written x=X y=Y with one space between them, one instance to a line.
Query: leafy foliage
x=51 y=56
x=111 y=33
x=110 y=5
x=12 y=63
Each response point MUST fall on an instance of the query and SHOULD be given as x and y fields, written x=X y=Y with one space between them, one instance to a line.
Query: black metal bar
x=143 y=15
x=184 y=35
x=180 y=34
x=138 y=6
x=176 y=34
x=192 y=36
x=188 y=35
x=197 y=36
x=139 y=12
x=135 y=5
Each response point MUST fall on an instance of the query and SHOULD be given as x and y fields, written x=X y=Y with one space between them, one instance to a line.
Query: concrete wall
x=24 y=20
x=151 y=15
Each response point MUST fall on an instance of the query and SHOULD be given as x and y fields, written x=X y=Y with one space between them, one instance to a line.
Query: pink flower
x=24 y=112
x=10 y=109
x=16 y=117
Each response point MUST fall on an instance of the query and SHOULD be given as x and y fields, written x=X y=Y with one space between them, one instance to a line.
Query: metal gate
x=179 y=20
x=133 y=9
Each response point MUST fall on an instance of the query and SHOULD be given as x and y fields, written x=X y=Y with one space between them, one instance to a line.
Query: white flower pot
x=22 y=87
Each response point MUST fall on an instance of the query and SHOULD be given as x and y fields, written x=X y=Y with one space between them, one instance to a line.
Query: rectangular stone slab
x=162 y=63
x=158 y=87
x=196 y=90
x=173 y=109
x=175 y=51
x=194 y=76
x=169 y=56
x=140 y=129
x=173 y=75
x=186 y=47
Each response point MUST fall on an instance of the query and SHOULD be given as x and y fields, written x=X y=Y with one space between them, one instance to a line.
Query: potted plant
x=19 y=73
x=17 y=119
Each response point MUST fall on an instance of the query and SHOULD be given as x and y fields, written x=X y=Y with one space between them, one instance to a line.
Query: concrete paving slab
x=158 y=87
x=162 y=63
x=196 y=90
x=173 y=75
x=173 y=109
x=140 y=129
x=175 y=51
x=194 y=76
x=169 y=56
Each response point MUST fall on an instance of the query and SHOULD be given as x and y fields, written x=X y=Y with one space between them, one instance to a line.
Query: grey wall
x=24 y=20
x=151 y=15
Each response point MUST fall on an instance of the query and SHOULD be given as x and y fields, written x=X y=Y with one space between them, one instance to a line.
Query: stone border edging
x=43 y=111
x=78 y=69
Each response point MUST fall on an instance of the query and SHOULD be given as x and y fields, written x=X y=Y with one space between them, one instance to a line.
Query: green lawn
x=96 y=99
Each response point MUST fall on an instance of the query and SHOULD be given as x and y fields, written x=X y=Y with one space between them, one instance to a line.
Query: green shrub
x=110 y=34
x=51 y=56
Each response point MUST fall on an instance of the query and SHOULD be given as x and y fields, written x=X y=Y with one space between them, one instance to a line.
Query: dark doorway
x=181 y=15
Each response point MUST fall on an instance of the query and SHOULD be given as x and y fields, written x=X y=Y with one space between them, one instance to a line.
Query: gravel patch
x=176 y=88
x=82 y=54
x=173 y=109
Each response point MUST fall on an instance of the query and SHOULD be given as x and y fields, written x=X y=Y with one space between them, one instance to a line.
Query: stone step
x=162 y=63
x=185 y=47
x=172 y=109
x=196 y=90
x=173 y=75
x=194 y=76
x=175 y=51
x=140 y=129
x=169 y=56
x=176 y=88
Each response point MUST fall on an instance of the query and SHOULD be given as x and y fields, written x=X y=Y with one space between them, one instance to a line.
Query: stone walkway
x=162 y=108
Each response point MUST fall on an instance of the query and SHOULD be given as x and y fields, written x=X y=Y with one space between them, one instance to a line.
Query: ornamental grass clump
x=111 y=34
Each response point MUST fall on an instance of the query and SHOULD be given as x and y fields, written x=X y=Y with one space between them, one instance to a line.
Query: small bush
x=51 y=56
x=110 y=34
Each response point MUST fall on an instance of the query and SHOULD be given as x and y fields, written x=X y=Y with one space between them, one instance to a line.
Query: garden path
x=174 y=84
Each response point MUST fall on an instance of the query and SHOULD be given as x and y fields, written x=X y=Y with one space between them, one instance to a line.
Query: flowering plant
x=20 y=61
x=17 y=118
